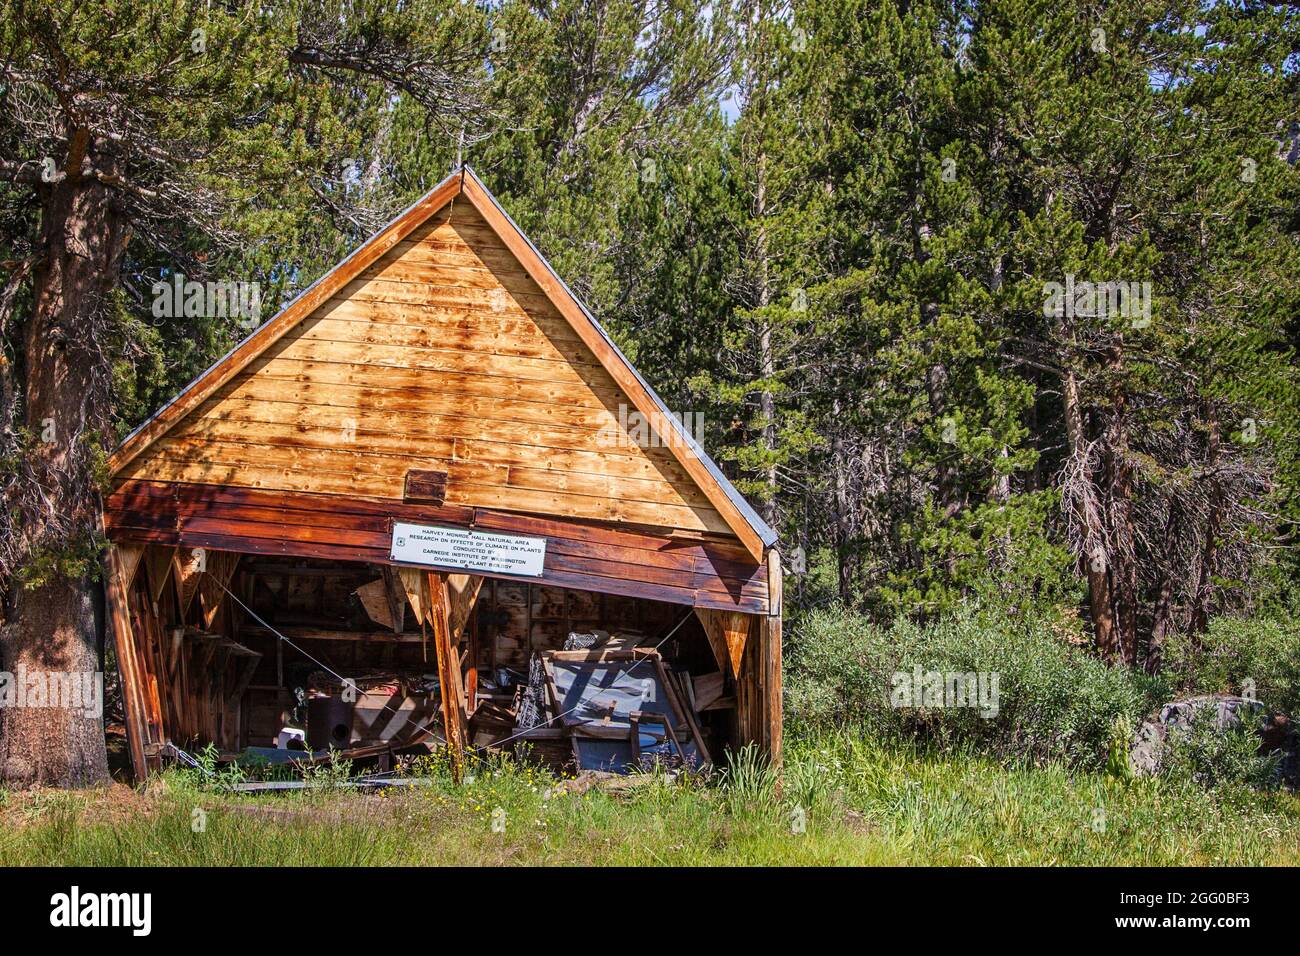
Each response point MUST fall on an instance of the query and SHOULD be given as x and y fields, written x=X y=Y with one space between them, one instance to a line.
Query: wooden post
x=450 y=688
x=471 y=672
x=770 y=637
x=758 y=688
x=116 y=583
x=462 y=594
x=758 y=682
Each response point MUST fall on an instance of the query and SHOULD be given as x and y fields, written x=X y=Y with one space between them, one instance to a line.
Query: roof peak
x=753 y=532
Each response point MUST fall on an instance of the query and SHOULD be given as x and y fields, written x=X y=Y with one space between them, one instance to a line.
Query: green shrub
x=1213 y=757
x=1053 y=701
x=1238 y=654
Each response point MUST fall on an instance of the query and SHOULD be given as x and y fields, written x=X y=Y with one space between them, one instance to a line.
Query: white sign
x=471 y=550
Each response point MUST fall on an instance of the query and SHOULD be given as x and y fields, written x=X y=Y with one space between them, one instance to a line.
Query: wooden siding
x=694 y=569
x=443 y=354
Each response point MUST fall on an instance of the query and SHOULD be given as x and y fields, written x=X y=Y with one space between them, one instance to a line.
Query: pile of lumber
x=617 y=708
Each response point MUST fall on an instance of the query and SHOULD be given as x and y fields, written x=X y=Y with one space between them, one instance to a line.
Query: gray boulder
x=1147 y=752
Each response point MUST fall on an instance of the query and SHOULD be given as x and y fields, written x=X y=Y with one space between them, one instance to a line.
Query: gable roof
x=752 y=531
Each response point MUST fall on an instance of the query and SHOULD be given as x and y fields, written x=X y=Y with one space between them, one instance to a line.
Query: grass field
x=843 y=802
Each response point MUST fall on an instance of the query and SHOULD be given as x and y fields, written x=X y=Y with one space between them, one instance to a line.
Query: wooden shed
x=433 y=460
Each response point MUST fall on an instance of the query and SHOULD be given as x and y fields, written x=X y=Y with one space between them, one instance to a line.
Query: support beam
x=158 y=565
x=463 y=592
x=728 y=633
x=117 y=576
x=220 y=571
x=758 y=689
x=775 y=585
x=416 y=585
x=396 y=595
x=129 y=554
x=450 y=688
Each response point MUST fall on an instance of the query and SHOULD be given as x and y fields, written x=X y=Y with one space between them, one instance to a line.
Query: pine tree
x=141 y=140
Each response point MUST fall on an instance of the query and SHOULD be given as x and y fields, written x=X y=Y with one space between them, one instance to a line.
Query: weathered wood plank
x=400 y=377
x=380 y=444
x=470 y=485
x=451 y=687
x=425 y=485
x=628 y=587
x=447 y=359
x=117 y=584
x=168 y=501
x=473 y=337
x=269 y=333
x=347 y=426
x=425 y=401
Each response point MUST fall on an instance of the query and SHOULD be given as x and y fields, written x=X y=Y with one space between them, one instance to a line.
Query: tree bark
x=766 y=360
x=1095 y=560
x=1162 y=621
x=1123 y=557
x=1199 y=618
x=842 y=508
x=52 y=626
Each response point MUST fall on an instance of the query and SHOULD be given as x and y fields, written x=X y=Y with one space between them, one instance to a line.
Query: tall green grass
x=842 y=799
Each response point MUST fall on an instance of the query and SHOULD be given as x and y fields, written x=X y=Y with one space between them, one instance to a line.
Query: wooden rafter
x=463 y=591
x=728 y=633
x=158 y=565
x=129 y=555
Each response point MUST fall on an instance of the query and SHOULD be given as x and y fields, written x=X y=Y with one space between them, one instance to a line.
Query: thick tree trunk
x=52 y=628
x=47 y=742
x=1101 y=610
